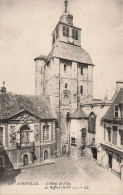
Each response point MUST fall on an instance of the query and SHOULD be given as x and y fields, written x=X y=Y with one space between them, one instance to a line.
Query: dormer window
x=116 y=111
x=65 y=31
x=75 y=34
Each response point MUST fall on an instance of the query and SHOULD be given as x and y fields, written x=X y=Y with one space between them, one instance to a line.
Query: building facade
x=111 y=147
x=27 y=130
x=65 y=75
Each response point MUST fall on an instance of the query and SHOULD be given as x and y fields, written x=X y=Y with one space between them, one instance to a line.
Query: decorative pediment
x=24 y=117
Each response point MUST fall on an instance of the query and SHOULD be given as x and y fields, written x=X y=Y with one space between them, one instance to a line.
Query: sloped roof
x=11 y=104
x=109 y=115
x=78 y=114
x=69 y=52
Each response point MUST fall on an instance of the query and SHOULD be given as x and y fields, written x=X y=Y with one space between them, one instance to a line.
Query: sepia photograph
x=61 y=97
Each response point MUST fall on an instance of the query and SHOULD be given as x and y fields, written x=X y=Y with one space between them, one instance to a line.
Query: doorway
x=45 y=154
x=94 y=152
x=25 y=160
x=110 y=160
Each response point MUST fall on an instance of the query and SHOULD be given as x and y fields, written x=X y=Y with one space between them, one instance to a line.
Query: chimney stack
x=119 y=84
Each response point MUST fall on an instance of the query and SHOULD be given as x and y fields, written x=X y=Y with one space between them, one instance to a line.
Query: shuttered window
x=109 y=134
x=1 y=136
x=75 y=34
x=114 y=136
x=65 y=31
x=116 y=111
x=121 y=137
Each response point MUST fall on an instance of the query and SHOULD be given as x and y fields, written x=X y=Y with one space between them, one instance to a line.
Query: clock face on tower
x=70 y=39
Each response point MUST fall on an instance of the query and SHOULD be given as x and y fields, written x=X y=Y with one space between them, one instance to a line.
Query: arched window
x=66 y=94
x=92 y=123
x=24 y=134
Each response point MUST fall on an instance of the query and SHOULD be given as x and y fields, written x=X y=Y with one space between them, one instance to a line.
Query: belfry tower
x=65 y=75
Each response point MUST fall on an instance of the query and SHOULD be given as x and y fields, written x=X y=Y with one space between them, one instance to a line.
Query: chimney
x=3 y=89
x=119 y=84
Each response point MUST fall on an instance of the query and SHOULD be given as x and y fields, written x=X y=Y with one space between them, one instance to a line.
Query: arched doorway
x=25 y=160
x=45 y=154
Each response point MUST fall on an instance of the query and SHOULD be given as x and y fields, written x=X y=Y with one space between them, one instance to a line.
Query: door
x=110 y=160
x=64 y=150
x=94 y=152
x=45 y=154
x=25 y=160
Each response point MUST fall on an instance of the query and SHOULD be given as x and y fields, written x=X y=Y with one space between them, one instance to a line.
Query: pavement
x=68 y=176
x=39 y=163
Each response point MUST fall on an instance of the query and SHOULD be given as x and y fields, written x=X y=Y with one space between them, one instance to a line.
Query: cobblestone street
x=81 y=176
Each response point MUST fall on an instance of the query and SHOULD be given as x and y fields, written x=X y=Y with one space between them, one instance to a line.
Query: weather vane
x=66 y=4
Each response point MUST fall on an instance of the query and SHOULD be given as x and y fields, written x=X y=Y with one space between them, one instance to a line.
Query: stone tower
x=65 y=75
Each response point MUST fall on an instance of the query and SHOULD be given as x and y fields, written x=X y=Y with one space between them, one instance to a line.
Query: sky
x=25 y=33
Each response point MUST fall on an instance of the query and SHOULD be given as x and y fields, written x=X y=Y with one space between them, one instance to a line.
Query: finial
x=66 y=4
x=3 y=83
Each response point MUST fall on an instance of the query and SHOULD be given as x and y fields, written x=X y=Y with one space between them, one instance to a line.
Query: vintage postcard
x=61 y=97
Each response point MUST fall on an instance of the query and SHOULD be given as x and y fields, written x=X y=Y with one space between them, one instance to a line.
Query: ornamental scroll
x=36 y=133
x=12 y=135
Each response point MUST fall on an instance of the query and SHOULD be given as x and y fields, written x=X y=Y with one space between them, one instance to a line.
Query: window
x=65 y=31
x=57 y=32
x=1 y=136
x=24 y=135
x=73 y=141
x=65 y=67
x=109 y=134
x=83 y=133
x=75 y=34
x=92 y=123
x=114 y=137
x=65 y=94
x=46 y=133
x=81 y=89
x=116 y=111
x=53 y=38
x=65 y=85
x=81 y=70
x=121 y=137
x=41 y=70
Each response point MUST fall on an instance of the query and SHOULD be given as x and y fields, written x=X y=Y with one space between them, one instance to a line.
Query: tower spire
x=66 y=4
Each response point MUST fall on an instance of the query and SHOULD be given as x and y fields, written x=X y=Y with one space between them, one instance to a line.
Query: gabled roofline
x=24 y=111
